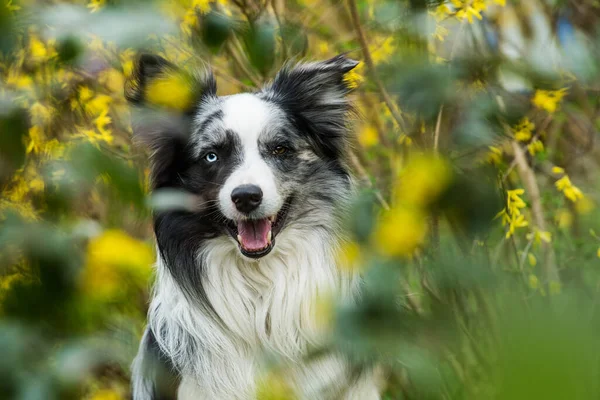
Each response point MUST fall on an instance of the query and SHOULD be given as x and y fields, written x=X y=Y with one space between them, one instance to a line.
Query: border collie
x=241 y=275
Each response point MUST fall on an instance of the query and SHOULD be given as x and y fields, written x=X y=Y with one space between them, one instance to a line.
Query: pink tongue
x=254 y=233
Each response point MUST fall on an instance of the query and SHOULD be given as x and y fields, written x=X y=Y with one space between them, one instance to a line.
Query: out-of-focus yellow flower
x=113 y=80
x=548 y=99
x=570 y=191
x=354 y=77
x=523 y=130
x=584 y=206
x=171 y=90
x=368 y=136
x=534 y=282
x=423 y=180
x=539 y=236
x=101 y=121
x=536 y=146
x=41 y=114
x=400 y=232
x=383 y=51
x=511 y=215
x=532 y=260
x=564 y=218
x=35 y=139
x=494 y=155
x=348 y=256
x=95 y=5
x=557 y=170
x=107 y=394
x=111 y=257
x=98 y=104
x=598 y=252
x=274 y=386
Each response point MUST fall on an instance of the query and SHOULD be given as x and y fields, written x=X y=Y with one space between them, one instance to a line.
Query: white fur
x=264 y=305
x=249 y=117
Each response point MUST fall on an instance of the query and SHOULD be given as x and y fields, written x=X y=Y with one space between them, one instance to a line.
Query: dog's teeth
x=269 y=237
x=272 y=218
x=239 y=238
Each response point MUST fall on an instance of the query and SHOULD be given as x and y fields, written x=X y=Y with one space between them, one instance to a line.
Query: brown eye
x=279 y=150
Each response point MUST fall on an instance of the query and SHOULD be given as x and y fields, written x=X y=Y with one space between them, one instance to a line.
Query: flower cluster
x=565 y=185
x=511 y=215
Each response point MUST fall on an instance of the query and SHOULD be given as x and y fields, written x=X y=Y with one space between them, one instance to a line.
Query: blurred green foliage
x=475 y=148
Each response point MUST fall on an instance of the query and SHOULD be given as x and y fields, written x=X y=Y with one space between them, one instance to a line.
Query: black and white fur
x=215 y=310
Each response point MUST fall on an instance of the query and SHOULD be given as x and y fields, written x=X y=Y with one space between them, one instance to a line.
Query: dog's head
x=260 y=162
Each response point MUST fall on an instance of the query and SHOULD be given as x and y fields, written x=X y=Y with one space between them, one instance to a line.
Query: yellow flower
x=171 y=90
x=523 y=130
x=584 y=206
x=368 y=136
x=41 y=114
x=536 y=146
x=348 y=256
x=112 y=257
x=570 y=191
x=423 y=180
x=98 y=104
x=534 y=282
x=113 y=80
x=532 y=260
x=95 y=5
x=36 y=139
x=400 y=232
x=558 y=170
x=354 y=78
x=273 y=386
x=494 y=156
x=101 y=121
x=107 y=394
x=548 y=99
x=540 y=236
x=382 y=52
x=564 y=218
x=598 y=252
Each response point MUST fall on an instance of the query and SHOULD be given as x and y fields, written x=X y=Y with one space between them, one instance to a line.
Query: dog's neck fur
x=263 y=306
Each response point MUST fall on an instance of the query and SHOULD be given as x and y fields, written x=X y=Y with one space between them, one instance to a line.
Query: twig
x=364 y=176
x=436 y=134
x=528 y=178
x=371 y=66
x=238 y=61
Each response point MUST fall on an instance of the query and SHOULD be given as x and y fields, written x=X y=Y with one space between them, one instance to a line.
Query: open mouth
x=256 y=237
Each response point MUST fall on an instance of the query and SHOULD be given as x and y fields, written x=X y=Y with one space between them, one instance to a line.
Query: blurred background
x=475 y=149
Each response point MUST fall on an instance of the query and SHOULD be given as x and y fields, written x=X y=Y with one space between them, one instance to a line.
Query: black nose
x=246 y=197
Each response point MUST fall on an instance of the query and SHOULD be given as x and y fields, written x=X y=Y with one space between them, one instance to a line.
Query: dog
x=240 y=276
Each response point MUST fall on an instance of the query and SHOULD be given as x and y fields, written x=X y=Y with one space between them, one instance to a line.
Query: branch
x=528 y=178
x=371 y=66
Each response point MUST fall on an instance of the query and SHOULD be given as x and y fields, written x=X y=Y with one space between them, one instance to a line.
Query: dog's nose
x=246 y=198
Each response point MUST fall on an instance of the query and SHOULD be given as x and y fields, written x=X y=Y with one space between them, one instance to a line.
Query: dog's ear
x=165 y=99
x=315 y=95
x=158 y=83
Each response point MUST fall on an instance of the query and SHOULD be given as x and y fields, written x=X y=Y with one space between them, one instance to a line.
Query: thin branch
x=371 y=66
x=364 y=176
x=528 y=178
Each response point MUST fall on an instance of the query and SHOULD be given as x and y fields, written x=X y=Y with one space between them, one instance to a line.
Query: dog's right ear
x=165 y=99
x=158 y=83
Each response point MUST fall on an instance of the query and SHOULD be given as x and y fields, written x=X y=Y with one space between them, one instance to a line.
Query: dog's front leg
x=153 y=376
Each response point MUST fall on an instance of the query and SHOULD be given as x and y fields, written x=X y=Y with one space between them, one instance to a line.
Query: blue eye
x=211 y=157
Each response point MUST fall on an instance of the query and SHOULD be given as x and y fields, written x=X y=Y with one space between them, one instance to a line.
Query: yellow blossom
x=400 y=232
x=536 y=146
x=98 y=104
x=348 y=256
x=423 y=180
x=95 y=5
x=170 y=90
x=523 y=130
x=368 y=136
x=107 y=394
x=558 y=170
x=548 y=99
x=382 y=52
x=41 y=114
x=355 y=77
x=539 y=236
x=564 y=218
x=570 y=191
x=101 y=121
x=112 y=257
x=273 y=386
x=36 y=139
x=494 y=156
x=532 y=260
x=534 y=282
x=598 y=252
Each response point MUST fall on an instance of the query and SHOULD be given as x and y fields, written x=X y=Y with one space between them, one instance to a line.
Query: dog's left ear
x=314 y=94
